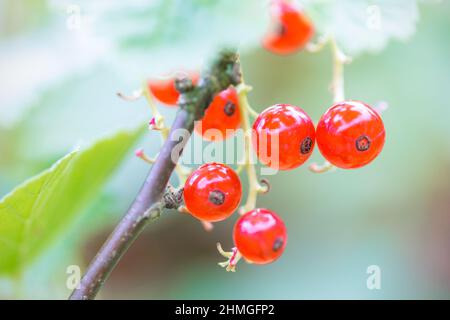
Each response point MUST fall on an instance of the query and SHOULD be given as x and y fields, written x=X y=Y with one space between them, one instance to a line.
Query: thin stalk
x=180 y=170
x=254 y=186
x=338 y=93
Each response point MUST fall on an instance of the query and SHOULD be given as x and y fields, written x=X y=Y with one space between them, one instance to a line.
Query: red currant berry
x=164 y=89
x=284 y=135
x=222 y=114
x=350 y=134
x=293 y=29
x=260 y=236
x=212 y=192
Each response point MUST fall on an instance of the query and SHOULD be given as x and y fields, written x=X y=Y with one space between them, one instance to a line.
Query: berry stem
x=232 y=256
x=151 y=199
x=252 y=112
x=319 y=45
x=337 y=85
x=133 y=97
x=157 y=123
x=181 y=171
x=338 y=92
x=254 y=186
x=208 y=226
x=321 y=168
x=141 y=154
x=159 y=119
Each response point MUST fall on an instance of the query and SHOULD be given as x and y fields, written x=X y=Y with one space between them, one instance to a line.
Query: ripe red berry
x=295 y=132
x=350 y=134
x=164 y=89
x=260 y=236
x=212 y=192
x=293 y=29
x=223 y=113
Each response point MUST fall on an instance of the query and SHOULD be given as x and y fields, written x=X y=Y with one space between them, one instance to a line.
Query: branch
x=152 y=198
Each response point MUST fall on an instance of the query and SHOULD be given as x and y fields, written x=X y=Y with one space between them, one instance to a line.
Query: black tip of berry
x=281 y=30
x=362 y=143
x=229 y=108
x=278 y=244
x=216 y=197
x=306 y=145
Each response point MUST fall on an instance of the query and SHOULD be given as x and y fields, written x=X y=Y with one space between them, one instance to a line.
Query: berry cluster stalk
x=254 y=186
x=337 y=86
x=153 y=198
x=159 y=124
x=339 y=59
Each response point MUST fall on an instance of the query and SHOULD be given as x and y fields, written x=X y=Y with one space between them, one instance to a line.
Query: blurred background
x=58 y=79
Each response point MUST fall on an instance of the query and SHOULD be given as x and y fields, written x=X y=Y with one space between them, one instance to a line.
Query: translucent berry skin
x=212 y=192
x=350 y=134
x=260 y=236
x=293 y=29
x=296 y=136
x=164 y=89
x=223 y=113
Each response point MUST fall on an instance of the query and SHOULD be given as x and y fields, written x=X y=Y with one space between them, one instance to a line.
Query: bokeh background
x=394 y=213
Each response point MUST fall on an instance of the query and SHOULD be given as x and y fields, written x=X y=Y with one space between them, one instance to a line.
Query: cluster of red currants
x=213 y=192
x=349 y=135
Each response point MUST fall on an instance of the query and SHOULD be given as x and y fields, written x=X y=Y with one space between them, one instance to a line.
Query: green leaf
x=365 y=25
x=37 y=211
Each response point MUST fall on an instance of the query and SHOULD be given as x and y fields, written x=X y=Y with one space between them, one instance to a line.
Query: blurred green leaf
x=160 y=36
x=366 y=25
x=39 y=209
x=20 y=16
x=133 y=39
